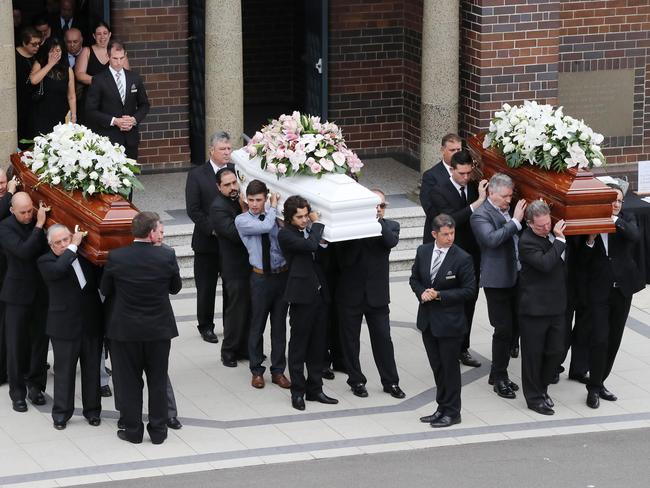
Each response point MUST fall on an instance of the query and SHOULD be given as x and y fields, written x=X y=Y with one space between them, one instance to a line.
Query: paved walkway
x=227 y=423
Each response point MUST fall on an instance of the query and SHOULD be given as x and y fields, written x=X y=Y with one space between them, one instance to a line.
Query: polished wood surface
x=576 y=196
x=106 y=218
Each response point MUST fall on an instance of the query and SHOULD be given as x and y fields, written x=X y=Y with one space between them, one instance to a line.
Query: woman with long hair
x=30 y=41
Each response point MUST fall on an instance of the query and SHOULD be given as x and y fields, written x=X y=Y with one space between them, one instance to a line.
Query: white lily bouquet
x=543 y=136
x=300 y=144
x=74 y=157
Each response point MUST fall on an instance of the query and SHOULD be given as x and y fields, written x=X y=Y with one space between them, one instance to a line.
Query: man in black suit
x=308 y=296
x=542 y=304
x=74 y=324
x=442 y=279
x=67 y=19
x=7 y=190
x=117 y=103
x=137 y=281
x=363 y=290
x=235 y=270
x=612 y=276
x=433 y=177
x=25 y=298
x=459 y=197
x=200 y=192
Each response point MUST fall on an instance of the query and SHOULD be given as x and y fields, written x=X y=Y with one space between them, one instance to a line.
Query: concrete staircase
x=410 y=218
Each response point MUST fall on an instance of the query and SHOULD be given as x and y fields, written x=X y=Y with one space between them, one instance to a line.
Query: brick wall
x=156 y=33
x=374 y=75
x=514 y=50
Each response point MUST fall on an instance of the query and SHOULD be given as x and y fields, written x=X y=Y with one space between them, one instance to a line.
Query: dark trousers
x=306 y=345
x=443 y=357
x=172 y=410
x=236 y=318
x=470 y=305
x=206 y=275
x=267 y=299
x=378 y=322
x=578 y=339
x=26 y=348
x=130 y=360
x=502 y=312
x=542 y=349
x=87 y=351
x=607 y=325
x=3 y=345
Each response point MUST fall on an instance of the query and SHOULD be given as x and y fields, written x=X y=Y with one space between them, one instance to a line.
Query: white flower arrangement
x=543 y=136
x=300 y=144
x=76 y=158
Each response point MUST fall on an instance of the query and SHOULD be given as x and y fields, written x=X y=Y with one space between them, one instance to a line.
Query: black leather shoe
x=19 y=406
x=94 y=421
x=121 y=424
x=59 y=425
x=548 y=400
x=121 y=434
x=427 y=419
x=605 y=394
x=328 y=374
x=298 y=402
x=445 y=421
x=581 y=377
x=36 y=397
x=513 y=386
x=542 y=408
x=395 y=391
x=359 y=390
x=514 y=351
x=322 y=398
x=502 y=388
x=158 y=440
x=467 y=359
x=209 y=336
x=105 y=391
x=174 y=423
x=229 y=362
x=593 y=400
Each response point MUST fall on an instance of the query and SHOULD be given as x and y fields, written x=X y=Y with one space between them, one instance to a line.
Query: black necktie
x=266 y=249
x=463 y=197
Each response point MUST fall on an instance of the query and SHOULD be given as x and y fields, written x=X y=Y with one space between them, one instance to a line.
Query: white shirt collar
x=443 y=250
x=215 y=167
x=114 y=73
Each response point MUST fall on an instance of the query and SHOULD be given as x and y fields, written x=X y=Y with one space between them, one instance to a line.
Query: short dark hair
x=461 y=157
x=115 y=44
x=442 y=220
x=256 y=187
x=451 y=137
x=222 y=172
x=27 y=33
x=143 y=223
x=40 y=19
x=291 y=206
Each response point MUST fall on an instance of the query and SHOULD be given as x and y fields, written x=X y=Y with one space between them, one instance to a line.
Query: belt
x=273 y=271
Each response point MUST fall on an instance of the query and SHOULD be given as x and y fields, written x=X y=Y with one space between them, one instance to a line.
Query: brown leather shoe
x=281 y=380
x=257 y=381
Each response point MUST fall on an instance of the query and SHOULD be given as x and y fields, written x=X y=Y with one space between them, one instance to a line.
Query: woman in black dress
x=30 y=40
x=51 y=68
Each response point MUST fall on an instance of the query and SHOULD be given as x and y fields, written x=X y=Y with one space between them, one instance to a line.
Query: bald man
x=25 y=297
x=7 y=190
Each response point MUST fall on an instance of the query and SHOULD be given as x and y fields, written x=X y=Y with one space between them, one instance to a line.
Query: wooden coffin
x=106 y=218
x=584 y=202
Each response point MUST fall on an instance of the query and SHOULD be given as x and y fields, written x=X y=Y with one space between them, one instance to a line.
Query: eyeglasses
x=35 y=44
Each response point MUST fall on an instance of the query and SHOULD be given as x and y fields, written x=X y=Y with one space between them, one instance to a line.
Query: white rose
x=554 y=151
x=56 y=180
x=547 y=147
x=126 y=182
x=597 y=162
x=91 y=189
x=93 y=175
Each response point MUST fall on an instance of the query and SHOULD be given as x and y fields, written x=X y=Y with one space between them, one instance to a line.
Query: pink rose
x=315 y=168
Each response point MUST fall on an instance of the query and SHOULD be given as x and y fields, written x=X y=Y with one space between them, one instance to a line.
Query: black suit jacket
x=306 y=277
x=71 y=311
x=543 y=275
x=364 y=267
x=617 y=266
x=232 y=251
x=103 y=102
x=137 y=281
x=200 y=192
x=456 y=283
x=446 y=199
x=22 y=244
x=431 y=178
x=5 y=205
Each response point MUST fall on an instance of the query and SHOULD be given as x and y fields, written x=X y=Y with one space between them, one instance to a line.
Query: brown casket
x=584 y=202
x=106 y=218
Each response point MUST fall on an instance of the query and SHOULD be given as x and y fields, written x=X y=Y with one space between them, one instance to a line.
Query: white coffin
x=348 y=209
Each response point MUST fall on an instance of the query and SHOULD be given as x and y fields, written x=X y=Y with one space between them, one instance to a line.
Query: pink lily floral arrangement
x=299 y=144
